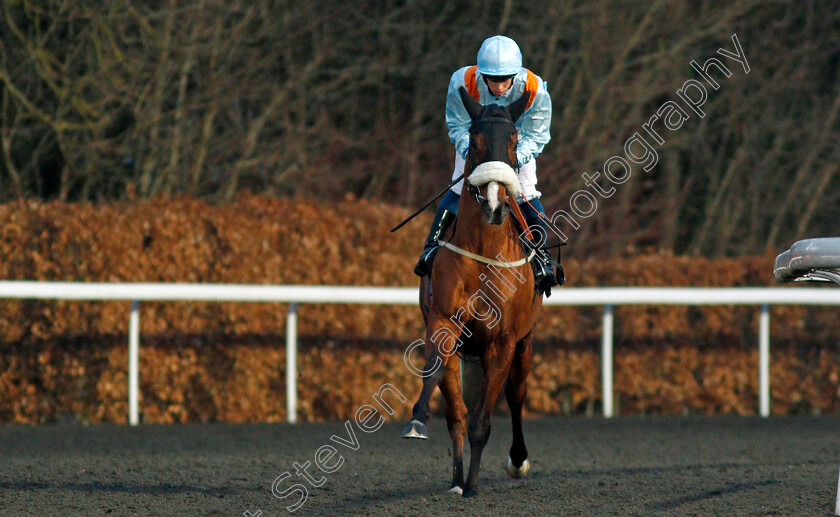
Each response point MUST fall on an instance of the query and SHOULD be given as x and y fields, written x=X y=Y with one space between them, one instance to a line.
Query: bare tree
x=209 y=98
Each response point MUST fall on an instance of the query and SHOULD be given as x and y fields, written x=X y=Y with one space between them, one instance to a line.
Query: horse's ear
x=473 y=106
x=517 y=107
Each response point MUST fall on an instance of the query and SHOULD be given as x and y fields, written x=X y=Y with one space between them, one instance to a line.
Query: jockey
x=499 y=78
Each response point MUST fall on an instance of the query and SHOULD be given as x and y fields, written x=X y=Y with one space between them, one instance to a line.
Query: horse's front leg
x=442 y=339
x=456 y=422
x=495 y=371
x=515 y=391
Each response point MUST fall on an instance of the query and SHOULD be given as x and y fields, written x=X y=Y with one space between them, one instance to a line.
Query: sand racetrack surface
x=580 y=466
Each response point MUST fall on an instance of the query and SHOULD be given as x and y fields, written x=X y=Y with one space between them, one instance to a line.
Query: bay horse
x=480 y=301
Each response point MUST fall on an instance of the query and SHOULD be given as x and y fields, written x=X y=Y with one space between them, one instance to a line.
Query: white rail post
x=607 y=360
x=764 y=361
x=291 y=364
x=837 y=501
x=134 y=364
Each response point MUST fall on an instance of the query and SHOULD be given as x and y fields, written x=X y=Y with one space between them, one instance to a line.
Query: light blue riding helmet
x=499 y=56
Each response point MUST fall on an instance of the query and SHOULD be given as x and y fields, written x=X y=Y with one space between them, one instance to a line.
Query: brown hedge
x=208 y=361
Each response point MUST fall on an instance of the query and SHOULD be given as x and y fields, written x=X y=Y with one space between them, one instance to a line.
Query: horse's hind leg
x=456 y=421
x=515 y=391
x=479 y=427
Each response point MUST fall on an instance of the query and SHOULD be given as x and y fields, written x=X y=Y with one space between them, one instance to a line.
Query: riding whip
x=415 y=214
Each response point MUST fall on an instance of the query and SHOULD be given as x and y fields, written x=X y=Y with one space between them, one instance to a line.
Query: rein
x=517 y=213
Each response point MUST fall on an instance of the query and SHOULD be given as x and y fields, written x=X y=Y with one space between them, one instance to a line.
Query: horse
x=479 y=301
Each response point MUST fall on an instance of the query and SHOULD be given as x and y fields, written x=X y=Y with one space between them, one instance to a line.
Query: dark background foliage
x=207 y=98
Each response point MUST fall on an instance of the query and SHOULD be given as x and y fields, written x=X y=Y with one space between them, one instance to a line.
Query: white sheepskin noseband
x=499 y=172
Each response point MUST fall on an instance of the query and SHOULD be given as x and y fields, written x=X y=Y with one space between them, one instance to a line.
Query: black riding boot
x=544 y=274
x=443 y=218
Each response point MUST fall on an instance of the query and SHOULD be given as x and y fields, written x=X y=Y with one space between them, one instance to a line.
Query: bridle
x=474 y=190
x=491 y=119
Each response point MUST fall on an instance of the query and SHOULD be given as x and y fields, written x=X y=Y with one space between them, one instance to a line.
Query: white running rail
x=296 y=295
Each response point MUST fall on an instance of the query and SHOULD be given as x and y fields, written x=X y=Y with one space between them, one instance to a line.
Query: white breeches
x=527 y=175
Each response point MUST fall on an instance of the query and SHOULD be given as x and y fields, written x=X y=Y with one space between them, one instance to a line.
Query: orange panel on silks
x=531 y=84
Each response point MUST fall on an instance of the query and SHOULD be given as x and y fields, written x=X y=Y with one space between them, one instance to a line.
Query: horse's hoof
x=416 y=429
x=456 y=490
x=519 y=472
x=469 y=492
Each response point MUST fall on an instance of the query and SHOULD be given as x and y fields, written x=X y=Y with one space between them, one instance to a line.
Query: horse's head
x=492 y=154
